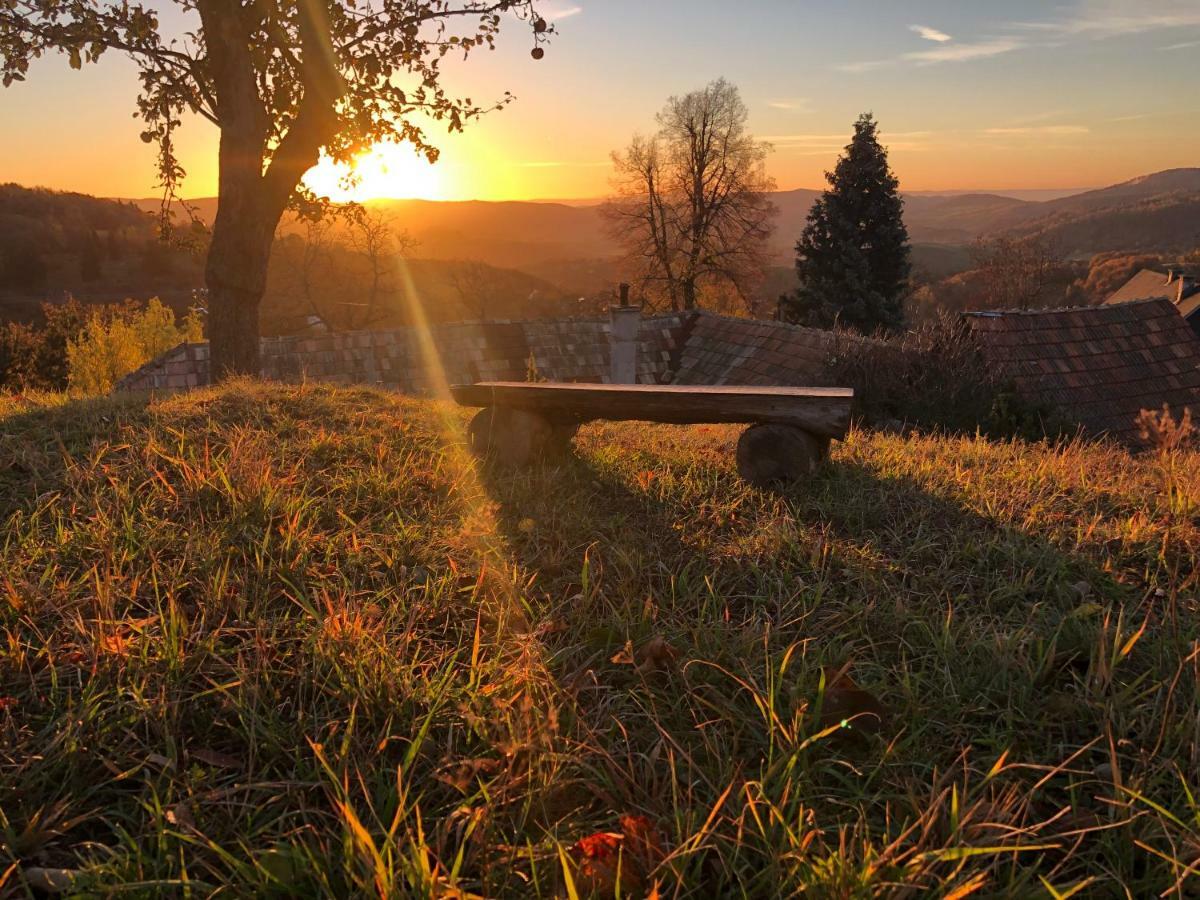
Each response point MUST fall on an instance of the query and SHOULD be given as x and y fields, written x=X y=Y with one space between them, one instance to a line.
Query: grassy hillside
x=293 y=641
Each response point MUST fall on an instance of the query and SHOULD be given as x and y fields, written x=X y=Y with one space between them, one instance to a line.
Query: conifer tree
x=853 y=258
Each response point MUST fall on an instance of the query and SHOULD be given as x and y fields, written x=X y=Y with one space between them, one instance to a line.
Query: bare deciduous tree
x=376 y=245
x=472 y=281
x=1017 y=273
x=309 y=256
x=342 y=268
x=692 y=208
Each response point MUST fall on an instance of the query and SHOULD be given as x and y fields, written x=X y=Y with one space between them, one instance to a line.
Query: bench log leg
x=516 y=438
x=779 y=454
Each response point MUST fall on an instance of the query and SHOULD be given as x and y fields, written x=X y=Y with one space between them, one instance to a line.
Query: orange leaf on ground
x=607 y=859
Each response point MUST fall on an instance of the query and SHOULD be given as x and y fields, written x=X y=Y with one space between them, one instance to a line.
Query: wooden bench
x=789 y=435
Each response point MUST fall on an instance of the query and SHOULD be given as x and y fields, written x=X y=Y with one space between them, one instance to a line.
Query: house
x=1181 y=289
x=1099 y=365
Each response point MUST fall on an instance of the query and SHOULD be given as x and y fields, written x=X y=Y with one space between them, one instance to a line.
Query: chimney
x=626 y=323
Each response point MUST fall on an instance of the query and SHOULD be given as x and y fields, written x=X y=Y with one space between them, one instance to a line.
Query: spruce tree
x=853 y=258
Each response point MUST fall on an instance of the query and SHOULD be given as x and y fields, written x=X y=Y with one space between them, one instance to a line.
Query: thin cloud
x=930 y=34
x=555 y=15
x=865 y=66
x=807 y=138
x=1048 y=116
x=793 y=105
x=1057 y=130
x=824 y=144
x=965 y=52
x=946 y=53
x=1101 y=19
x=1088 y=20
x=555 y=164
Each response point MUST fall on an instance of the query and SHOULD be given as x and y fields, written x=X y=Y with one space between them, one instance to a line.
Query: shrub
x=1162 y=433
x=934 y=377
x=34 y=357
x=112 y=346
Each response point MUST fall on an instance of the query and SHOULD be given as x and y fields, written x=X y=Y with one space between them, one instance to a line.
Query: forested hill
x=56 y=242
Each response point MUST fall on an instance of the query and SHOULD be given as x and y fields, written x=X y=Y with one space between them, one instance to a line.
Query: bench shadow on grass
x=897 y=577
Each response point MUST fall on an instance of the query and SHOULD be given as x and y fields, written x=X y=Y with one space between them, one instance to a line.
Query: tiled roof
x=723 y=350
x=1149 y=284
x=1100 y=365
x=1146 y=285
x=558 y=350
x=1190 y=307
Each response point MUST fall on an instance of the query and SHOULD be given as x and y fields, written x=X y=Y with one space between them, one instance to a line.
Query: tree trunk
x=249 y=201
x=689 y=294
x=236 y=276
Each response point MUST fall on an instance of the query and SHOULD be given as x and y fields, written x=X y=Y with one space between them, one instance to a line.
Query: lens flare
x=387 y=171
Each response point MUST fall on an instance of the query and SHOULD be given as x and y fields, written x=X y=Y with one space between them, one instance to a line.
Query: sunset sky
x=970 y=95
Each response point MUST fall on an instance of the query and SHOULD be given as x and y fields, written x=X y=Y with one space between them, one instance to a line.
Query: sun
x=391 y=171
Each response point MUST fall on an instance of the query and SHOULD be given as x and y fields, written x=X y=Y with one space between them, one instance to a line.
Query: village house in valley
x=1180 y=288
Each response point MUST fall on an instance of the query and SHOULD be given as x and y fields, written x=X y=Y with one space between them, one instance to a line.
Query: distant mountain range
x=1155 y=213
x=101 y=250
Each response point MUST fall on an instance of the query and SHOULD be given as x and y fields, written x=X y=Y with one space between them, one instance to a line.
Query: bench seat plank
x=820 y=411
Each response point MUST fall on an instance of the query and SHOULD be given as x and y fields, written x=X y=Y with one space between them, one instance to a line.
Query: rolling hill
x=103 y=250
x=553 y=239
x=1156 y=214
x=100 y=251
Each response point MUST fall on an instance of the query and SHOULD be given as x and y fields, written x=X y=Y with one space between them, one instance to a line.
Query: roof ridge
x=1042 y=310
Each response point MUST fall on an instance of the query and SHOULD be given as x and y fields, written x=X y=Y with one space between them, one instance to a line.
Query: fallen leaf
x=624 y=656
x=215 y=759
x=655 y=654
x=115 y=643
x=181 y=814
x=50 y=881
x=607 y=860
x=526 y=525
x=845 y=703
x=643 y=841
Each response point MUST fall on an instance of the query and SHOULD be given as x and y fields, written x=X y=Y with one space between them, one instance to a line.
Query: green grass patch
x=292 y=641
